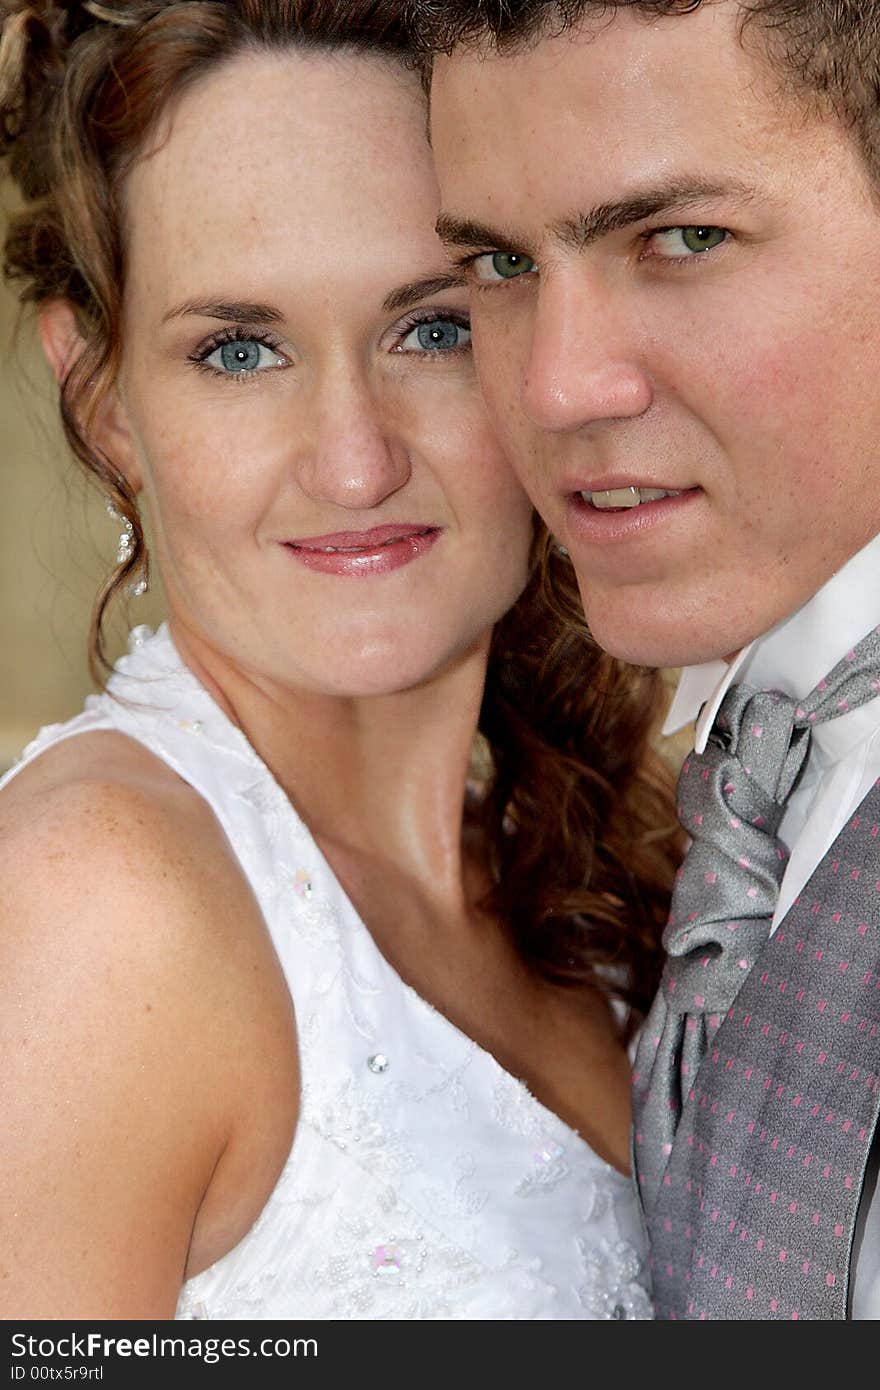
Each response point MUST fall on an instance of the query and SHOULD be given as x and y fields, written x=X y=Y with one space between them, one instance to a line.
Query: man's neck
x=795 y=654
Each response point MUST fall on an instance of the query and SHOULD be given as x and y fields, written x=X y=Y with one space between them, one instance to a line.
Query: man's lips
x=622 y=498
x=611 y=516
x=361 y=542
x=617 y=493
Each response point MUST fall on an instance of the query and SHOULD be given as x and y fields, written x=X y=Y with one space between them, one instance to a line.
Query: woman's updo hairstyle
x=82 y=88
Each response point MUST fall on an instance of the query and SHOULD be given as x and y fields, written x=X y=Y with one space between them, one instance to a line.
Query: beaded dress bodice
x=424 y=1180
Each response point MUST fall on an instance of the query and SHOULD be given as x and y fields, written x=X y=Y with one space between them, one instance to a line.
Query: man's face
x=676 y=289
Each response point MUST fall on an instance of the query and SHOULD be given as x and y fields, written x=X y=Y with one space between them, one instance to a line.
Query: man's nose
x=355 y=457
x=584 y=363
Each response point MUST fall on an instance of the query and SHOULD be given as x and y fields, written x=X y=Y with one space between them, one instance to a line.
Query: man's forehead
x=613 y=61
x=611 y=117
x=499 y=118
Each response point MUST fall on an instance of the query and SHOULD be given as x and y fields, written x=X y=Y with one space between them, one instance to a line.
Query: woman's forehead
x=264 y=117
x=277 y=156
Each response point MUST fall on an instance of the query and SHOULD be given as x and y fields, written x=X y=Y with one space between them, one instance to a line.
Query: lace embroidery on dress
x=354 y=1122
x=407 y=1274
x=549 y=1169
x=515 y=1108
x=611 y=1288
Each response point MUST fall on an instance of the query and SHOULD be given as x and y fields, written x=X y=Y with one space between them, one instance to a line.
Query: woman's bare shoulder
x=103 y=847
x=89 y=763
x=132 y=959
x=99 y=812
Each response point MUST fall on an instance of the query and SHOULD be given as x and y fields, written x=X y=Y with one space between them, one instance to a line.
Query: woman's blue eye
x=437 y=335
x=243 y=356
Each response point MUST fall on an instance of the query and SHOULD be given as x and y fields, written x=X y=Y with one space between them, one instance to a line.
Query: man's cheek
x=498 y=368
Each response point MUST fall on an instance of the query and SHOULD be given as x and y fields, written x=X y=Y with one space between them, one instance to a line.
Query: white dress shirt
x=842 y=765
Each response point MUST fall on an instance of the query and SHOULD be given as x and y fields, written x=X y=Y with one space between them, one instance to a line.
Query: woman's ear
x=62 y=345
x=60 y=336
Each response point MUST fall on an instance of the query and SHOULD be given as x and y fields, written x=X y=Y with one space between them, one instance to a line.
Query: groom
x=670 y=216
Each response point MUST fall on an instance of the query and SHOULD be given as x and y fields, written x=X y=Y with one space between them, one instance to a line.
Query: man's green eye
x=684 y=243
x=509 y=264
x=702 y=238
x=502 y=265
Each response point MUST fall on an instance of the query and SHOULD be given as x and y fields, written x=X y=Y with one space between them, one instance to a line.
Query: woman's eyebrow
x=230 y=311
x=405 y=296
x=241 y=311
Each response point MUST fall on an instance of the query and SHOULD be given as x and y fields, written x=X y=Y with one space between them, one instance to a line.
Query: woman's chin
x=366 y=682
x=389 y=669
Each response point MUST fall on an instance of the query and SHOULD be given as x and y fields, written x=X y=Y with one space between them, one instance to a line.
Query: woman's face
x=297 y=397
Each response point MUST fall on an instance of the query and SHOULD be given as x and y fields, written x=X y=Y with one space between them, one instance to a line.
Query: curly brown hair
x=824 y=51
x=577 y=814
x=580 y=813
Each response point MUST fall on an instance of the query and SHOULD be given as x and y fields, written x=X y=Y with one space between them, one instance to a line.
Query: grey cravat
x=731 y=799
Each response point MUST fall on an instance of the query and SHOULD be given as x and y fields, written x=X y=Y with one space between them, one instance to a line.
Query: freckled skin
x=329 y=210
x=747 y=375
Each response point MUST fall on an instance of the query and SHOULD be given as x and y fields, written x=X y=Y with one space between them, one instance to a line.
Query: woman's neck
x=381 y=776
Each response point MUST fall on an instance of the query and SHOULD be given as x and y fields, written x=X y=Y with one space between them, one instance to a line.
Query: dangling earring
x=125 y=548
x=560 y=549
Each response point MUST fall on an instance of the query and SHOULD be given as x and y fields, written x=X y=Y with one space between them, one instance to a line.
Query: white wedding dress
x=424 y=1180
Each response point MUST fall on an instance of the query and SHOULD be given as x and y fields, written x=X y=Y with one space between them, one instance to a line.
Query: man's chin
x=642 y=640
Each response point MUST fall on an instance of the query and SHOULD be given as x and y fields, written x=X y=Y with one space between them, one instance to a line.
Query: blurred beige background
x=56 y=544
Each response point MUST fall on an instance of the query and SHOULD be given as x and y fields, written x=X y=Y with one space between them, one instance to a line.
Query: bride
x=306 y=1014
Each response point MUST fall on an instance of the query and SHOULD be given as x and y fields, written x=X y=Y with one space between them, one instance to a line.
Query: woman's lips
x=354 y=553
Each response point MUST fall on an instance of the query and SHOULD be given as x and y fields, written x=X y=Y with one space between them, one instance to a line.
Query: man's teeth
x=618 y=497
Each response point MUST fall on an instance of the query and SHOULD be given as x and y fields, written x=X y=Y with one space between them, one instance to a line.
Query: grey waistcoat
x=757 y=1210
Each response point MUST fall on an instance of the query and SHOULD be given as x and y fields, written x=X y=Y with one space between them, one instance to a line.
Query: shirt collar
x=794 y=656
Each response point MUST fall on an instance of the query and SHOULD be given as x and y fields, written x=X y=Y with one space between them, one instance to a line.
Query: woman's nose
x=355 y=457
x=584 y=362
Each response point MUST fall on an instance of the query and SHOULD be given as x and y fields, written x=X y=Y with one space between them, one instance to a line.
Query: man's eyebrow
x=230 y=311
x=463 y=232
x=671 y=199
x=405 y=296
x=674 y=198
